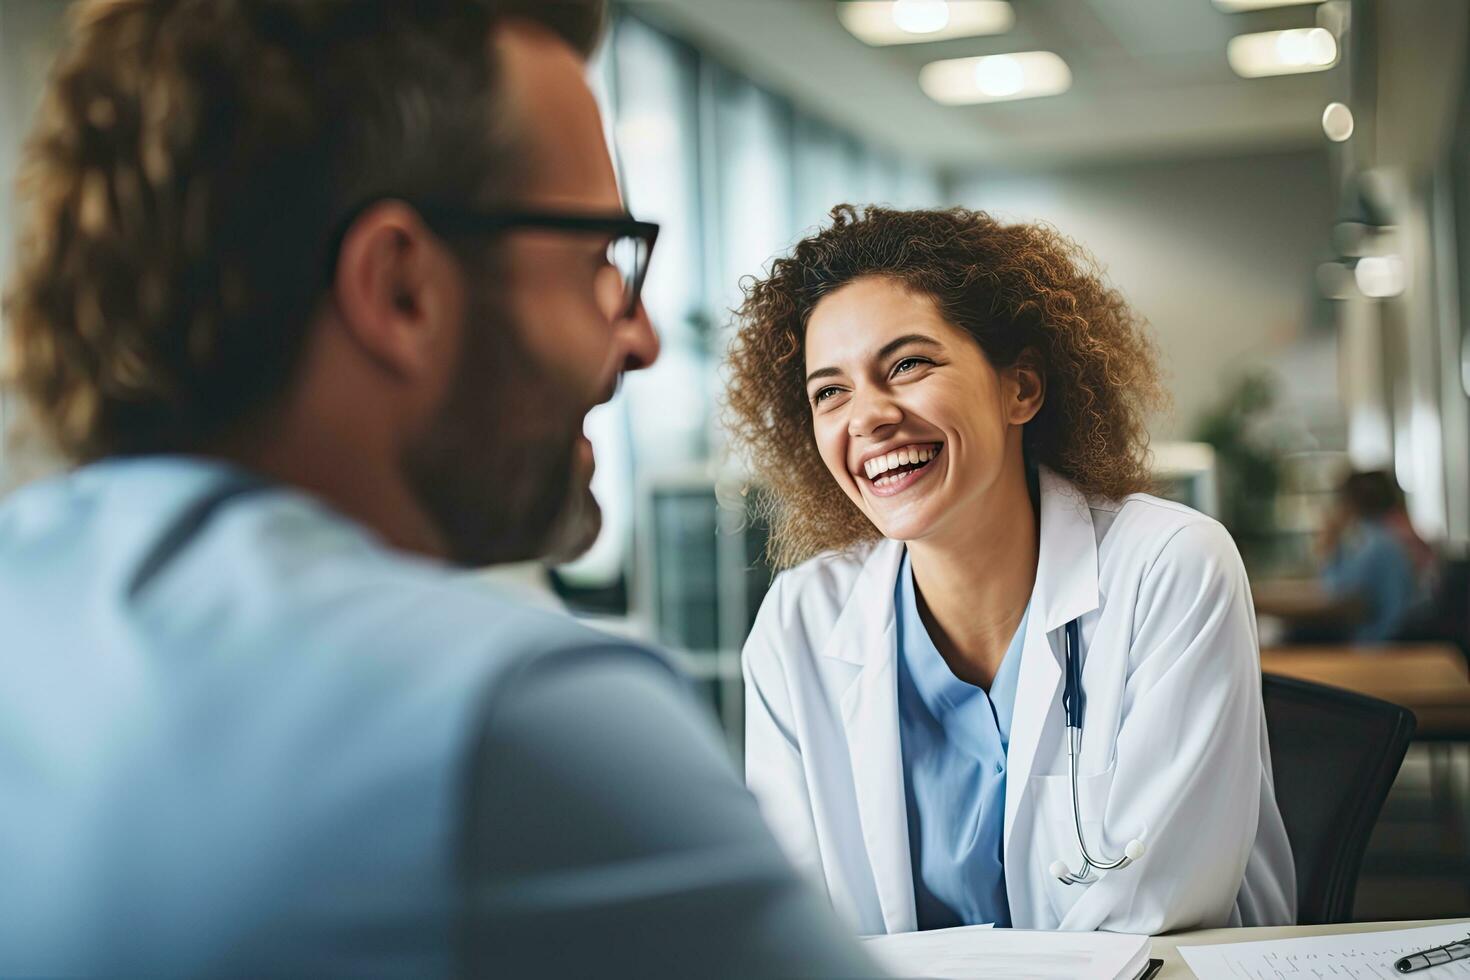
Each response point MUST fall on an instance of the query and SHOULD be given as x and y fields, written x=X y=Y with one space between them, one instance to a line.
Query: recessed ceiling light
x=1380 y=276
x=996 y=78
x=1240 y=6
x=1282 y=52
x=884 y=22
x=920 y=16
x=1000 y=77
x=1337 y=122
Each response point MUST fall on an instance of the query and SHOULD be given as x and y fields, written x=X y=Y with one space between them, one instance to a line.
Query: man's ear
x=396 y=287
x=1027 y=389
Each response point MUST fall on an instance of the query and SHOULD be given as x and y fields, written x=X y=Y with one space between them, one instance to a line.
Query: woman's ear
x=1027 y=388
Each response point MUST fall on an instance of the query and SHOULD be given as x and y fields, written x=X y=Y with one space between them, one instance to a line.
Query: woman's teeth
x=907 y=456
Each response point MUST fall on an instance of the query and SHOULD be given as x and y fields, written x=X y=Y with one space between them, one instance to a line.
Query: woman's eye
x=823 y=394
x=907 y=364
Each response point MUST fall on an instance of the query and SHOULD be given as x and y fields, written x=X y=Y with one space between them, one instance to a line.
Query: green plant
x=1239 y=429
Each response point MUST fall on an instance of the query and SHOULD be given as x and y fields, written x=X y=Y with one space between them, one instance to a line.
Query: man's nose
x=639 y=339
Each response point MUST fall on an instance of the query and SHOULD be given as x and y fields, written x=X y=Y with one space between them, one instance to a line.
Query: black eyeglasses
x=629 y=248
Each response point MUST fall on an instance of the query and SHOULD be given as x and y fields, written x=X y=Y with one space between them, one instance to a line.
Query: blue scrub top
x=954 y=740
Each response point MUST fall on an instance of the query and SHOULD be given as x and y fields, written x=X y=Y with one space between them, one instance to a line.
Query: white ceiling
x=1149 y=79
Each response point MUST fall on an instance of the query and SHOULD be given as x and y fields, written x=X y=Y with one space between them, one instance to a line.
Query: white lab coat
x=1174 y=748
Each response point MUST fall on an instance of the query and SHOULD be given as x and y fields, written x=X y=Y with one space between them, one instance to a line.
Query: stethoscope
x=1072 y=705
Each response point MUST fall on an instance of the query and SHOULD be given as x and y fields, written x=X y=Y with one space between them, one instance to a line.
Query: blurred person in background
x=948 y=415
x=316 y=297
x=1373 y=558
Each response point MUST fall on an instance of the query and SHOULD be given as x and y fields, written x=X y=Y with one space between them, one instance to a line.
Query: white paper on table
x=968 y=952
x=1345 y=956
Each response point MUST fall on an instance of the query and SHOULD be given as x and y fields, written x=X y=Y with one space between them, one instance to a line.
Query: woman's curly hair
x=1012 y=287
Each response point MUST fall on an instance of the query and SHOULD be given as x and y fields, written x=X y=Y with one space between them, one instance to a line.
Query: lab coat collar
x=862 y=616
x=1066 y=575
x=1066 y=589
x=1066 y=570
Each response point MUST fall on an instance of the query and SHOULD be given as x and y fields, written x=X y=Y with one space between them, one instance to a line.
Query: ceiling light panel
x=996 y=78
x=1282 y=52
x=1242 y=6
x=884 y=22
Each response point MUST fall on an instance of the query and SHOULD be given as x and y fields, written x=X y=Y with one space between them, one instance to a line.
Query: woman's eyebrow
x=883 y=352
x=904 y=341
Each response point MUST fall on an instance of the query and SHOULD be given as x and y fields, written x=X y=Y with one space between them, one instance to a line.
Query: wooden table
x=1166 y=948
x=1429 y=679
x=1303 y=601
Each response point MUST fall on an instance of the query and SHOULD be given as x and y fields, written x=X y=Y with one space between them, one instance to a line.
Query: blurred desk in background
x=1430 y=679
x=1303 y=603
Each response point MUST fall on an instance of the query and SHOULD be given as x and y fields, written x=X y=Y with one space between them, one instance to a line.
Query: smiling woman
x=1012 y=288
x=947 y=413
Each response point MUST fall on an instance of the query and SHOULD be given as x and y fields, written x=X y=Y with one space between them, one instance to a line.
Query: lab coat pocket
x=1056 y=831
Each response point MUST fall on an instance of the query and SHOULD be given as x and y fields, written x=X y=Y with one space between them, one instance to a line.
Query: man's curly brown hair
x=190 y=167
x=1012 y=287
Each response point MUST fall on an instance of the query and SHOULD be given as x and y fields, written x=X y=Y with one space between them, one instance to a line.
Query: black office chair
x=1334 y=755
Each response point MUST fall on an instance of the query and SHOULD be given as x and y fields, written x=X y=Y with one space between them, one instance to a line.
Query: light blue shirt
x=240 y=736
x=1373 y=566
x=954 y=740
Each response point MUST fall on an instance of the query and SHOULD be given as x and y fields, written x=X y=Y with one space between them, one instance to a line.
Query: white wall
x=1218 y=254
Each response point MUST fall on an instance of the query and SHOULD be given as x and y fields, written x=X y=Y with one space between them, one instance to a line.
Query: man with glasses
x=316 y=297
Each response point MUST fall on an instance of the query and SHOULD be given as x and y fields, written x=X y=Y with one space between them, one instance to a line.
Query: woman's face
x=910 y=417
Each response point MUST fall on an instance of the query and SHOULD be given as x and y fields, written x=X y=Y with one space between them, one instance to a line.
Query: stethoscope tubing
x=1072 y=705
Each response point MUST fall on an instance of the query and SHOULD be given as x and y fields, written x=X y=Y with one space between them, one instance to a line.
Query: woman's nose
x=870 y=411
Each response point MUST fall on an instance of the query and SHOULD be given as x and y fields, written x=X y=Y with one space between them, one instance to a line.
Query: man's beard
x=497 y=471
x=576 y=527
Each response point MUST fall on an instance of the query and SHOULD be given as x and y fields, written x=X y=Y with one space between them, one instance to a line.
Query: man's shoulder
x=462 y=610
x=195 y=556
x=426 y=619
x=250 y=689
